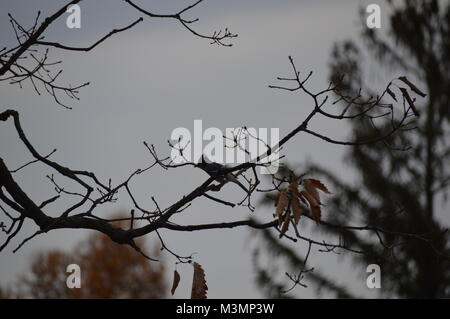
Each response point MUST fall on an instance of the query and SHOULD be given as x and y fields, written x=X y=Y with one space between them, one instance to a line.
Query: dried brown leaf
x=318 y=184
x=199 y=286
x=410 y=101
x=176 y=281
x=312 y=185
x=317 y=213
x=286 y=221
x=314 y=205
x=282 y=203
x=296 y=209
x=293 y=188
x=412 y=86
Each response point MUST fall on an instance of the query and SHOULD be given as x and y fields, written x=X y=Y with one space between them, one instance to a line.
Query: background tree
x=108 y=270
x=402 y=182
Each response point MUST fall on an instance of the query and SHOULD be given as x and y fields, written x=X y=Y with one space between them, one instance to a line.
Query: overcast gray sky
x=156 y=77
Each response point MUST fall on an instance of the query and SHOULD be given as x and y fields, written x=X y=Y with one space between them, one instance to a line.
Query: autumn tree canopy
x=108 y=270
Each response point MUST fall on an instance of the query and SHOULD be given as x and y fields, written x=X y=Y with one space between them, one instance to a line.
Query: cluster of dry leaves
x=199 y=286
x=288 y=207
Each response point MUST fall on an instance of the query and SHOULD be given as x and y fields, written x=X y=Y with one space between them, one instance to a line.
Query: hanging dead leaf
x=282 y=203
x=318 y=184
x=199 y=286
x=314 y=205
x=312 y=185
x=410 y=101
x=176 y=281
x=412 y=86
x=317 y=213
x=296 y=209
x=293 y=188
x=285 y=226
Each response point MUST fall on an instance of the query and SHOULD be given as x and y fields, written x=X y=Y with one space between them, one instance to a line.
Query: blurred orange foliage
x=108 y=270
